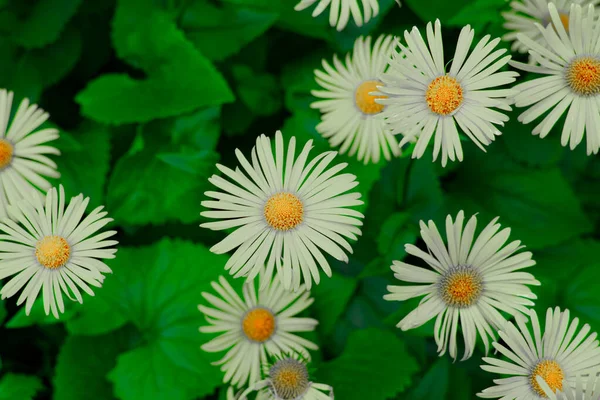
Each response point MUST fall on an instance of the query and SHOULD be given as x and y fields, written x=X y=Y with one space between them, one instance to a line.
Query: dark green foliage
x=149 y=94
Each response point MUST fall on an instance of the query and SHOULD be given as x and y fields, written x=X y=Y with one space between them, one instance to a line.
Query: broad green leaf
x=162 y=182
x=422 y=194
x=538 y=205
x=21 y=387
x=259 y=92
x=37 y=316
x=478 y=13
x=331 y=298
x=580 y=293
x=374 y=365
x=56 y=60
x=158 y=288
x=396 y=231
x=434 y=384
x=229 y=27
x=44 y=22
x=179 y=78
x=83 y=363
x=84 y=168
x=94 y=317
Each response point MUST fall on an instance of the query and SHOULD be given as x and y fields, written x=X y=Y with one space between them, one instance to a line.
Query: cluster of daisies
x=47 y=244
x=285 y=212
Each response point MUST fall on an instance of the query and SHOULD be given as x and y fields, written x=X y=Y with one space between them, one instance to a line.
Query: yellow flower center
x=364 y=101
x=444 y=95
x=6 y=153
x=583 y=76
x=259 y=324
x=289 y=379
x=284 y=211
x=52 y=252
x=461 y=287
x=551 y=373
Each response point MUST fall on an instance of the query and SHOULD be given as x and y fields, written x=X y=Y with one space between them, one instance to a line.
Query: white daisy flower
x=288 y=378
x=23 y=161
x=424 y=100
x=340 y=10
x=556 y=356
x=468 y=283
x=570 y=62
x=49 y=248
x=255 y=327
x=586 y=388
x=525 y=14
x=287 y=213
x=349 y=110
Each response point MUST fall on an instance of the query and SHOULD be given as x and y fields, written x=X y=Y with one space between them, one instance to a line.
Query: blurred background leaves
x=150 y=94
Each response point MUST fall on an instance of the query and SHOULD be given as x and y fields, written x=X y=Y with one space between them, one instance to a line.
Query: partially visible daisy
x=288 y=378
x=424 y=101
x=586 y=388
x=468 y=284
x=287 y=212
x=525 y=14
x=48 y=248
x=23 y=161
x=340 y=10
x=557 y=355
x=254 y=327
x=349 y=110
x=570 y=63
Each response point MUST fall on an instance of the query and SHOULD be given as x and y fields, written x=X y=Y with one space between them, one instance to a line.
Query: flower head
x=424 y=101
x=255 y=327
x=23 y=161
x=350 y=114
x=340 y=10
x=52 y=249
x=570 y=63
x=287 y=212
x=469 y=282
x=556 y=356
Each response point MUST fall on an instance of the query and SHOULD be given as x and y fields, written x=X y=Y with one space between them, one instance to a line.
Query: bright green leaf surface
x=22 y=387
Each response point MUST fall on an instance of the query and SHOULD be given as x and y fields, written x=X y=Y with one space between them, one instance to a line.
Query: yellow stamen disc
x=366 y=102
x=551 y=372
x=284 y=211
x=289 y=379
x=583 y=76
x=6 y=153
x=52 y=252
x=461 y=287
x=259 y=324
x=444 y=95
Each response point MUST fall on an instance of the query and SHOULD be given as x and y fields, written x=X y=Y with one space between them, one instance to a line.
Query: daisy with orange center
x=467 y=283
x=254 y=327
x=540 y=365
x=525 y=14
x=424 y=101
x=570 y=65
x=287 y=378
x=48 y=248
x=351 y=117
x=24 y=164
x=288 y=211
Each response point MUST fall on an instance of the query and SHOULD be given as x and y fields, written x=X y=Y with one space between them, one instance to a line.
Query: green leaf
x=374 y=365
x=56 y=60
x=434 y=384
x=95 y=317
x=396 y=231
x=21 y=387
x=538 y=205
x=179 y=78
x=229 y=27
x=331 y=298
x=84 y=161
x=422 y=194
x=431 y=10
x=45 y=22
x=83 y=363
x=158 y=288
x=162 y=182
x=478 y=13
x=259 y=92
x=37 y=316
